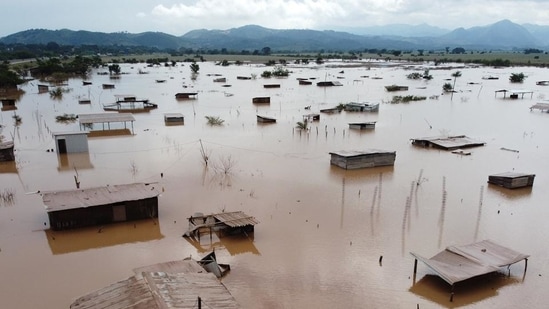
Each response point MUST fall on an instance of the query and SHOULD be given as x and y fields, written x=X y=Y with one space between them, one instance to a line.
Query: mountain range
x=502 y=35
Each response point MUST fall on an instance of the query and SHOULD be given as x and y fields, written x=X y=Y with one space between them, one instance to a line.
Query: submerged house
x=8 y=104
x=362 y=159
x=71 y=142
x=261 y=100
x=174 y=119
x=447 y=142
x=224 y=223
x=6 y=151
x=328 y=84
x=174 y=284
x=512 y=180
x=362 y=125
x=186 y=95
x=70 y=209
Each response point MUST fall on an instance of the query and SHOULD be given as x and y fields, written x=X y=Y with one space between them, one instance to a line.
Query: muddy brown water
x=322 y=229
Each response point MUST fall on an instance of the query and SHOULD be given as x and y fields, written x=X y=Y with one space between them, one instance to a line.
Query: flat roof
x=71 y=133
x=105 y=117
x=449 y=142
x=356 y=153
x=512 y=175
x=81 y=198
x=236 y=219
x=517 y=91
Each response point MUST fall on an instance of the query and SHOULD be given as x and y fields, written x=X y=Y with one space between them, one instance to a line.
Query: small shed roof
x=356 y=153
x=541 y=106
x=449 y=142
x=80 y=198
x=511 y=175
x=70 y=133
x=105 y=117
x=235 y=219
x=458 y=263
x=173 y=115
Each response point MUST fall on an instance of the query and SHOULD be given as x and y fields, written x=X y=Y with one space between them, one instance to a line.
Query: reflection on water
x=234 y=244
x=466 y=293
x=323 y=229
x=68 y=241
x=74 y=161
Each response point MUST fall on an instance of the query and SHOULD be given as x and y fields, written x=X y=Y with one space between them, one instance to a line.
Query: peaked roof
x=175 y=284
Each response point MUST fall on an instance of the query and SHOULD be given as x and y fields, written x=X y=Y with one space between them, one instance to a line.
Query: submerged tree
x=447 y=87
x=302 y=125
x=114 y=69
x=194 y=67
x=214 y=120
x=517 y=77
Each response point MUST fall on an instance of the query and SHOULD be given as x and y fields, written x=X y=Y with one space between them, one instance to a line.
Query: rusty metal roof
x=236 y=219
x=80 y=198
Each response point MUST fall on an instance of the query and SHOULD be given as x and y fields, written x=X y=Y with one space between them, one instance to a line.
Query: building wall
x=74 y=142
x=103 y=214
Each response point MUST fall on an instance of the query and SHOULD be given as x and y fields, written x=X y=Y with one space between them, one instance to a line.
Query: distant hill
x=503 y=35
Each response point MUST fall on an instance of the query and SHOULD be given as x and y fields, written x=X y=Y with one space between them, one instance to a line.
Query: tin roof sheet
x=105 y=117
x=458 y=263
x=80 y=198
x=236 y=219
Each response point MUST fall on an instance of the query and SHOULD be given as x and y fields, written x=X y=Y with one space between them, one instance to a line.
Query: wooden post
x=199 y=303
x=415 y=266
x=452 y=294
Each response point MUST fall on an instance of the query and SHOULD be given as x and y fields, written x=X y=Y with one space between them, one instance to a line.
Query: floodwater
x=322 y=230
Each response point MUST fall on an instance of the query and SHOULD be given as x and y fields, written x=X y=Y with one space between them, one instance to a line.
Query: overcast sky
x=177 y=17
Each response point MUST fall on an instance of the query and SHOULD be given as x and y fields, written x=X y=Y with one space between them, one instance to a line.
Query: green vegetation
x=57 y=93
x=8 y=78
x=66 y=118
x=447 y=87
x=302 y=125
x=417 y=75
x=278 y=71
x=405 y=99
x=214 y=120
x=517 y=77
x=194 y=67
x=114 y=69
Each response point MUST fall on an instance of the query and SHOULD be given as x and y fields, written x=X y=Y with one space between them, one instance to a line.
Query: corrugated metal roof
x=105 y=117
x=511 y=175
x=354 y=153
x=153 y=290
x=236 y=219
x=450 y=142
x=458 y=263
x=79 y=198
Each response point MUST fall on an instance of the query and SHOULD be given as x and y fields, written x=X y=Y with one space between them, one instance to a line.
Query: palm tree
x=194 y=67
x=302 y=125
x=455 y=75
